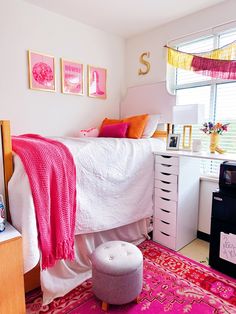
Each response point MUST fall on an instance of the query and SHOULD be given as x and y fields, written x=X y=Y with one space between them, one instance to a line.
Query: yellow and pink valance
x=218 y=63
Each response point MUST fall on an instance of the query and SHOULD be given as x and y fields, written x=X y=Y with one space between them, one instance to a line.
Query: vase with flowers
x=215 y=130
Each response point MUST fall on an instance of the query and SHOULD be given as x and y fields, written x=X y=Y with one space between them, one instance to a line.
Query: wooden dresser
x=12 y=297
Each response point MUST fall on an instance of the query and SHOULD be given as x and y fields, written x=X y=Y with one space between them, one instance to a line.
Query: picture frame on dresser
x=173 y=142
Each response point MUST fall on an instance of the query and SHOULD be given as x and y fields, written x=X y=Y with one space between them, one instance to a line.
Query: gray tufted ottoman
x=117 y=272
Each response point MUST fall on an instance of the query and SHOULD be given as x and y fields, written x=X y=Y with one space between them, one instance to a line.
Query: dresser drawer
x=166 y=185
x=170 y=195
x=165 y=226
x=167 y=177
x=164 y=239
x=167 y=160
x=165 y=204
x=165 y=215
x=166 y=169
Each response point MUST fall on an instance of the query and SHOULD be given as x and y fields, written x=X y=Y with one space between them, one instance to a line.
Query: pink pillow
x=114 y=130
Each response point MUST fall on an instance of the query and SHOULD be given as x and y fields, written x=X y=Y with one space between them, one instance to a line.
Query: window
x=219 y=96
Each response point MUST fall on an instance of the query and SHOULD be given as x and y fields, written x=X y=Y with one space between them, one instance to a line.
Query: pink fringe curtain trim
x=223 y=69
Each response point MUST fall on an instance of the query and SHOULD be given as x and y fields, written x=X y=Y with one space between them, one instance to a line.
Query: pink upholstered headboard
x=151 y=99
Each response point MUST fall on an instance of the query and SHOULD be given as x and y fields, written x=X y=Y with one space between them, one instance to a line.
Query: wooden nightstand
x=12 y=297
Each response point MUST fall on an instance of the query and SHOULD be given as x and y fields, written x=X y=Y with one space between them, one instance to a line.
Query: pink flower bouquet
x=217 y=128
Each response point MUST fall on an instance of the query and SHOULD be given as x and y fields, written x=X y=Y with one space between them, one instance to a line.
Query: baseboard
x=203 y=236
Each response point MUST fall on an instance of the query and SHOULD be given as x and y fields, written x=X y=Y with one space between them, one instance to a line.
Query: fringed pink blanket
x=52 y=176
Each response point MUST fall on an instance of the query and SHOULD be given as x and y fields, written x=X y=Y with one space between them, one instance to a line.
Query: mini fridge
x=222 y=255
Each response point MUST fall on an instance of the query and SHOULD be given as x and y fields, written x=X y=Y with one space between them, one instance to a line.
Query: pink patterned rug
x=172 y=284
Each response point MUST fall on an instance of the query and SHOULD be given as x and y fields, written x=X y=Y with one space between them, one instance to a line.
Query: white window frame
x=208 y=82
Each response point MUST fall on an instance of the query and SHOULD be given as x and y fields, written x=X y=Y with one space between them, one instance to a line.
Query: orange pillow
x=137 y=125
x=107 y=121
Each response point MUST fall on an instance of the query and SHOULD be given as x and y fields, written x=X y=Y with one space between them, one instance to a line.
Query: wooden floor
x=197 y=250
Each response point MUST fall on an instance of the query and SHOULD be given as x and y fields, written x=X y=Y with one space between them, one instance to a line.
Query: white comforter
x=114 y=188
x=114 y=182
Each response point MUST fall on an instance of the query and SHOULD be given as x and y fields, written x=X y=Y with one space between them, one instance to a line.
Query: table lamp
x=188 y=115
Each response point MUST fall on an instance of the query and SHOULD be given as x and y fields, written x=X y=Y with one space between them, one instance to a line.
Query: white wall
x=207 y=186
x=24 y=26
x=153 y=41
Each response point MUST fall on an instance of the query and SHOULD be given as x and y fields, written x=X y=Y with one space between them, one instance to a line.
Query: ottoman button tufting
x=117 y=272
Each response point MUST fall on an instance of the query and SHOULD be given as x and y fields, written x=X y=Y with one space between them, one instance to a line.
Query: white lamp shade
x=188 y=114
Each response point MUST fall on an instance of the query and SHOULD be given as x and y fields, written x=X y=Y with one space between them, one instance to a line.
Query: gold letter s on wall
x=146 y=63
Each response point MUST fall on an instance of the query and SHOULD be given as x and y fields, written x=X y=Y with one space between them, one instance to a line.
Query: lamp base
x=187 y=137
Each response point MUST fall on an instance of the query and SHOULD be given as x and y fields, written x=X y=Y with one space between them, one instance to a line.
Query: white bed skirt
x=66 y=275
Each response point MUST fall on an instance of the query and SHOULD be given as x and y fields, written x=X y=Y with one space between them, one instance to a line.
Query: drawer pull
x=164 y=165
x=165 y=177
x=165 y=234
x=165 y=182
x=164 y=156
x=165 y=190
x=164 y=222
x=164 y=210
x=165 y=199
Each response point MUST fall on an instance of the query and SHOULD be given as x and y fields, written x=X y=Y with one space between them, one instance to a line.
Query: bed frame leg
x=105 y=306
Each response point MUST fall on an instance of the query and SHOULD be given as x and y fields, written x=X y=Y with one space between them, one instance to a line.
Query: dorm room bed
x=115 y=186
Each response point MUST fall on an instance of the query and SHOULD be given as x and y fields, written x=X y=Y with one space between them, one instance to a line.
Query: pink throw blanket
x=52 y=176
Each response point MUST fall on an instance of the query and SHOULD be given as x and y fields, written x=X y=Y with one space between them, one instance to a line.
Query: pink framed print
x=97 y=82
x=72 y=77
x=41 y=71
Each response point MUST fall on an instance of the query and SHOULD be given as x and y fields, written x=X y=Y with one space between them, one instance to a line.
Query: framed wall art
x=72 y=77
x=173 y=141
x=97 y=82
x=41 y=71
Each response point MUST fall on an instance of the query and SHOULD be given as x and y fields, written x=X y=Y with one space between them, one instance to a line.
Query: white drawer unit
x=165 y=204
x=164 y=239
x=176 y=199
x=167 y=169
x=166 y=177
x=165 y=215
x=167 y=194
x=165 y=226
x=166 y=185
x=167 y=160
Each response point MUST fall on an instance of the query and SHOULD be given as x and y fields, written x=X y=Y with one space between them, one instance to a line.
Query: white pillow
x=151 y=125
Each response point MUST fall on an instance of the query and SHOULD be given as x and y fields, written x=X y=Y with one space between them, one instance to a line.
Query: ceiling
x=125 y=18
